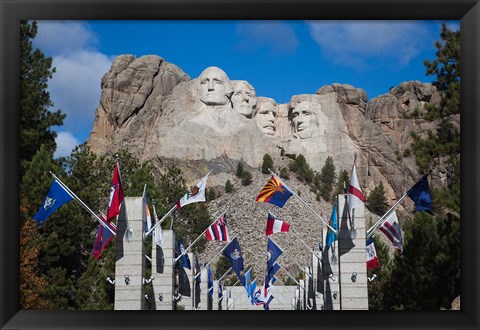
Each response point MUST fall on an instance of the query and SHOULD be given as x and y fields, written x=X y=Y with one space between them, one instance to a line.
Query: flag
x=420 y=195
x=198 y=280
x=247 y=280
x=266 y=306
x=102 y=238
x=274 y=225
x=196 y=194
x=261 y=297
x=251 y=290
x=56 y=197
x=392 y=230
x=372 y=260
x=116 y=194
x=269 y=277
x=184 y=260
x=218 y=230
x=210 y=282
x=331 y=236
x=158 y=229
x=274 y=193
x=274 y=251
x=234 y=254
x=197 y=270
x=355 y=195
x=148 y=217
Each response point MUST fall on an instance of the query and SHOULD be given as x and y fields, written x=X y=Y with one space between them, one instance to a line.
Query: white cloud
x=65 y=144
x=63 y=37
x=76 y=85
x=354 y=43
x=275 y=36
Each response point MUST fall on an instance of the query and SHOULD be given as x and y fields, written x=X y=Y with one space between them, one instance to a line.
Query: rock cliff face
x=155 y=110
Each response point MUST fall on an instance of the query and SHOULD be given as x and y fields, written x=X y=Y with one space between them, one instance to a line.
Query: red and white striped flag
x=372 y=260
x=355 y=195
x=391 y=229
x=218 y=230
x=275 y=225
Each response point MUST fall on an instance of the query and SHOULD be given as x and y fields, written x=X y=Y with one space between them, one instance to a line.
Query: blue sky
x=279 y=58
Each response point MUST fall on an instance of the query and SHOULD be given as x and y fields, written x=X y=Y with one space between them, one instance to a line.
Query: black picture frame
x=12 y=11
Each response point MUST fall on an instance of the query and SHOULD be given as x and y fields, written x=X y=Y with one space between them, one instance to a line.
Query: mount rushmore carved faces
x=215 y=87
x=265 y=117
x=243 y=98
x=304 y=119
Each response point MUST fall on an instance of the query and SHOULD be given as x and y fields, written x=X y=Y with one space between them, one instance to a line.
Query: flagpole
x=171 y=210
x=208 y=263
x=303 y=202
x=288 y=255
x=293 y=278
x=199 y=236
x=221 y=278
x=283 y=294
x=71 y=193
x=384 y=217
x=309 y=249
x=161 y=220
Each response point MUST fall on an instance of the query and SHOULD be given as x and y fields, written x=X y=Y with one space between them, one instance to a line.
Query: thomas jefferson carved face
x=244 y=98
x=304 y=119
x=265 y=118
x=214 y=86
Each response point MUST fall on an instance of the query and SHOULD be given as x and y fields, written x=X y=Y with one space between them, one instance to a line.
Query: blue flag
x=184 y=261
x=233 y=253
x=270 y=273
x=247 y=280
x=331 y=236
x=267 y=304
x=273 y=253
x=420 y=195
x=251 y=289
x=210 y=282
x=56 y=197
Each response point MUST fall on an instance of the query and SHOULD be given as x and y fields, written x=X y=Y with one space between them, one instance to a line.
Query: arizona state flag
x=274 y=193
x=116 y=195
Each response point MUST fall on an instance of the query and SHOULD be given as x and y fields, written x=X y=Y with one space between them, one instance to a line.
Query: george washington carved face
x=214 y=86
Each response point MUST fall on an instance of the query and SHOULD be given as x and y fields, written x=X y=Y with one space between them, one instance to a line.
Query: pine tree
x=376 y=201
x=342 y=182
x=377 y=287
x=228 y=186
x=35 y=118
x=246 y=178
x=267 y=164
x=326 y=179
x=239 y=171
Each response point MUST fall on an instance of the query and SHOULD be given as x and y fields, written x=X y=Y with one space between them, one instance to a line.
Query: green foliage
x=300 y=167
x=326 y=179
x=446 y=68
x=284 y=173
x=376 y=201
x=35 y=118
x=246 y=178
x=239 y=171
x=343 y=181
x=377 y=288
x=427 y=276
x=223 y=264
x=210 y=194
x=228 y=186
x=291 y=156
x=267 y=164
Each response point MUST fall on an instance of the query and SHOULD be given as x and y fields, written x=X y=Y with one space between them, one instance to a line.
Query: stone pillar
x=163 y=271
x=203 y=294
x=317 y=280
x=352 y=258
x=303 y=295
x=215 y=296
x=130 y=256
x=331 y=275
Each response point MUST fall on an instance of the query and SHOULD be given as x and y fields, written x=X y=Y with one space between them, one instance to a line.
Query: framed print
x=122 y=95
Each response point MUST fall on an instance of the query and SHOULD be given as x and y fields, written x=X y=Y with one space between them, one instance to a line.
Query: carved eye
x=217 y=81
x=204 y=81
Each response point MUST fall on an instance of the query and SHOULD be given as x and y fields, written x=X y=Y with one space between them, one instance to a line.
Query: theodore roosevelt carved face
x=244 y=98
x=214 y=86
x=265 y=117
